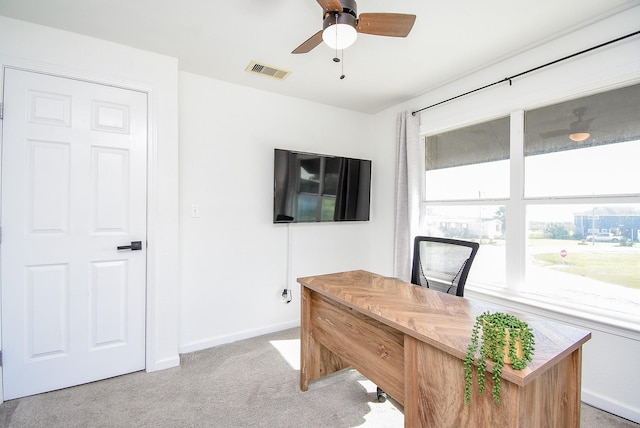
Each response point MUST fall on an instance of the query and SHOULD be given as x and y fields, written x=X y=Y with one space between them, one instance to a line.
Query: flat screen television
x=311 y=187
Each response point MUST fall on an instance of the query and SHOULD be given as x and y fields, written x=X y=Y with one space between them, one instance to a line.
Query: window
x=585 y=147
x=584 y=150
x=477 y=222
x=471 y=163
x=467 y=172
x=573 y=232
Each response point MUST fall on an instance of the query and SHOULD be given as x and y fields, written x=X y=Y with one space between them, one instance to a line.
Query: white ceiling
x=450 y=38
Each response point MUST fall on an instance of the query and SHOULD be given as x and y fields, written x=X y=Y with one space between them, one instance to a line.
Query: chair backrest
x=442 y=264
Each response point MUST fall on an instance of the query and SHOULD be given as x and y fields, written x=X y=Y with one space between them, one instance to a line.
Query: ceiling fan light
x=579 y=136
x=339 y=30
x=339 y=36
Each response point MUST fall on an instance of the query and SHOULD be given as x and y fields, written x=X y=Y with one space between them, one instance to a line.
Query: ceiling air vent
x=267 y=70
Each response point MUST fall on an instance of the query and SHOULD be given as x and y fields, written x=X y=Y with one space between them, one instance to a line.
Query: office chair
x=441 y=264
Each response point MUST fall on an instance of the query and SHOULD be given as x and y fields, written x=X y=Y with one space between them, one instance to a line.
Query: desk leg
x=306 y=341
x=316 y=359
x=411 y=384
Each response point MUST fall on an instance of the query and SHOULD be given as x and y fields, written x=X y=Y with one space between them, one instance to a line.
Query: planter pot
x=507 y=358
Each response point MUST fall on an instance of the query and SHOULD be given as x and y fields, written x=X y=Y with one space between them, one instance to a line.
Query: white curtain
x=407 y=204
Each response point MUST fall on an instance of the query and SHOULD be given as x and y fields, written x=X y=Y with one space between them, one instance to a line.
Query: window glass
x=468 y=163
x=585 y=254
x=484 y=224
x=584 y=147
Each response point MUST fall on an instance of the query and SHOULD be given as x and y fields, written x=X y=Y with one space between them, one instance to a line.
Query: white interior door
x=73 y=190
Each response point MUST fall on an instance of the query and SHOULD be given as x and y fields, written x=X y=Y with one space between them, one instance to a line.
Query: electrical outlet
x=285 y=297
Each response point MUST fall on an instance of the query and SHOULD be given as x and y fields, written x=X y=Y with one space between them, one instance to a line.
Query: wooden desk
x=411 y=341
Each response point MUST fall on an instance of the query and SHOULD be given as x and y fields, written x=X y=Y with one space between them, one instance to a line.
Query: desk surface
x=441 y=320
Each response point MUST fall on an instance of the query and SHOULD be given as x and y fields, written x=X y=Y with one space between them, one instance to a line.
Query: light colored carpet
x=253 y=382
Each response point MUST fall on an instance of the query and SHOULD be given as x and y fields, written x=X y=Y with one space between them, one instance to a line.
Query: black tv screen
x=310 y=187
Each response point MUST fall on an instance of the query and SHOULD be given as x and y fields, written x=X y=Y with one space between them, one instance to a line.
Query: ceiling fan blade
x=581 y=125
x=332 y=5
x=309 y=44
x=386 y=24
x=556 y=133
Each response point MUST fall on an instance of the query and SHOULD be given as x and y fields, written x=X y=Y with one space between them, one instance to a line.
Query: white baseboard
x=164 y=364
x=221 y=340
x=605 y=403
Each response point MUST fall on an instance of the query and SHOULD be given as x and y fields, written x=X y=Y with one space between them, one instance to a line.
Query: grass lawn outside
x=603 y=262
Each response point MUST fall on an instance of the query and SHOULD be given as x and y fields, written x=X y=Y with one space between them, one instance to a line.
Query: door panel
x=111 y=189
x=46 y=312
x=108 y=304
x=73 y=190
x=48 y=187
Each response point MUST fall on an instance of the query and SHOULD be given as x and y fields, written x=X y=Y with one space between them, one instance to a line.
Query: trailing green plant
x=492 y=344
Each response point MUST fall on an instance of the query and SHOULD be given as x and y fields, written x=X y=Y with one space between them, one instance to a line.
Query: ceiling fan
x=578 y=129
x=341 y=25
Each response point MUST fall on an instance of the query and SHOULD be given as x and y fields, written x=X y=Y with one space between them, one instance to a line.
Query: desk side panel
x=371 y=347
x=316 y=360
x=553 y=399
x=434 y=393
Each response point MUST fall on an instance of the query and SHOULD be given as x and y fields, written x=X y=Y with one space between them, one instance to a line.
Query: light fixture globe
x=579 y=136
x=339 y=30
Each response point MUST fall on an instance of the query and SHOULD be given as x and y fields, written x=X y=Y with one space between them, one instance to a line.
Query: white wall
x=44 y=49
x=233 y=258
x=608 y=383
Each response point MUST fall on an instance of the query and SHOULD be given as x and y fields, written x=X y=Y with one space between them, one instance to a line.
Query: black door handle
x=135 y=246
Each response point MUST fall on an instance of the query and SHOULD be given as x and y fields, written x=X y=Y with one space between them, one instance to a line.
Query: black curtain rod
x=509 y=79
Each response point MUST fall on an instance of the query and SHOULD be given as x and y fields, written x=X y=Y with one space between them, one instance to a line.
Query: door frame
x=151 y=360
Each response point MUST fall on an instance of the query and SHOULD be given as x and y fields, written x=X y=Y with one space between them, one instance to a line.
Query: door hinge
x=1 y=110
x=0 y=358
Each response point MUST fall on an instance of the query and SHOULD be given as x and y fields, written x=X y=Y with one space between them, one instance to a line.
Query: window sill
x=621 y=324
